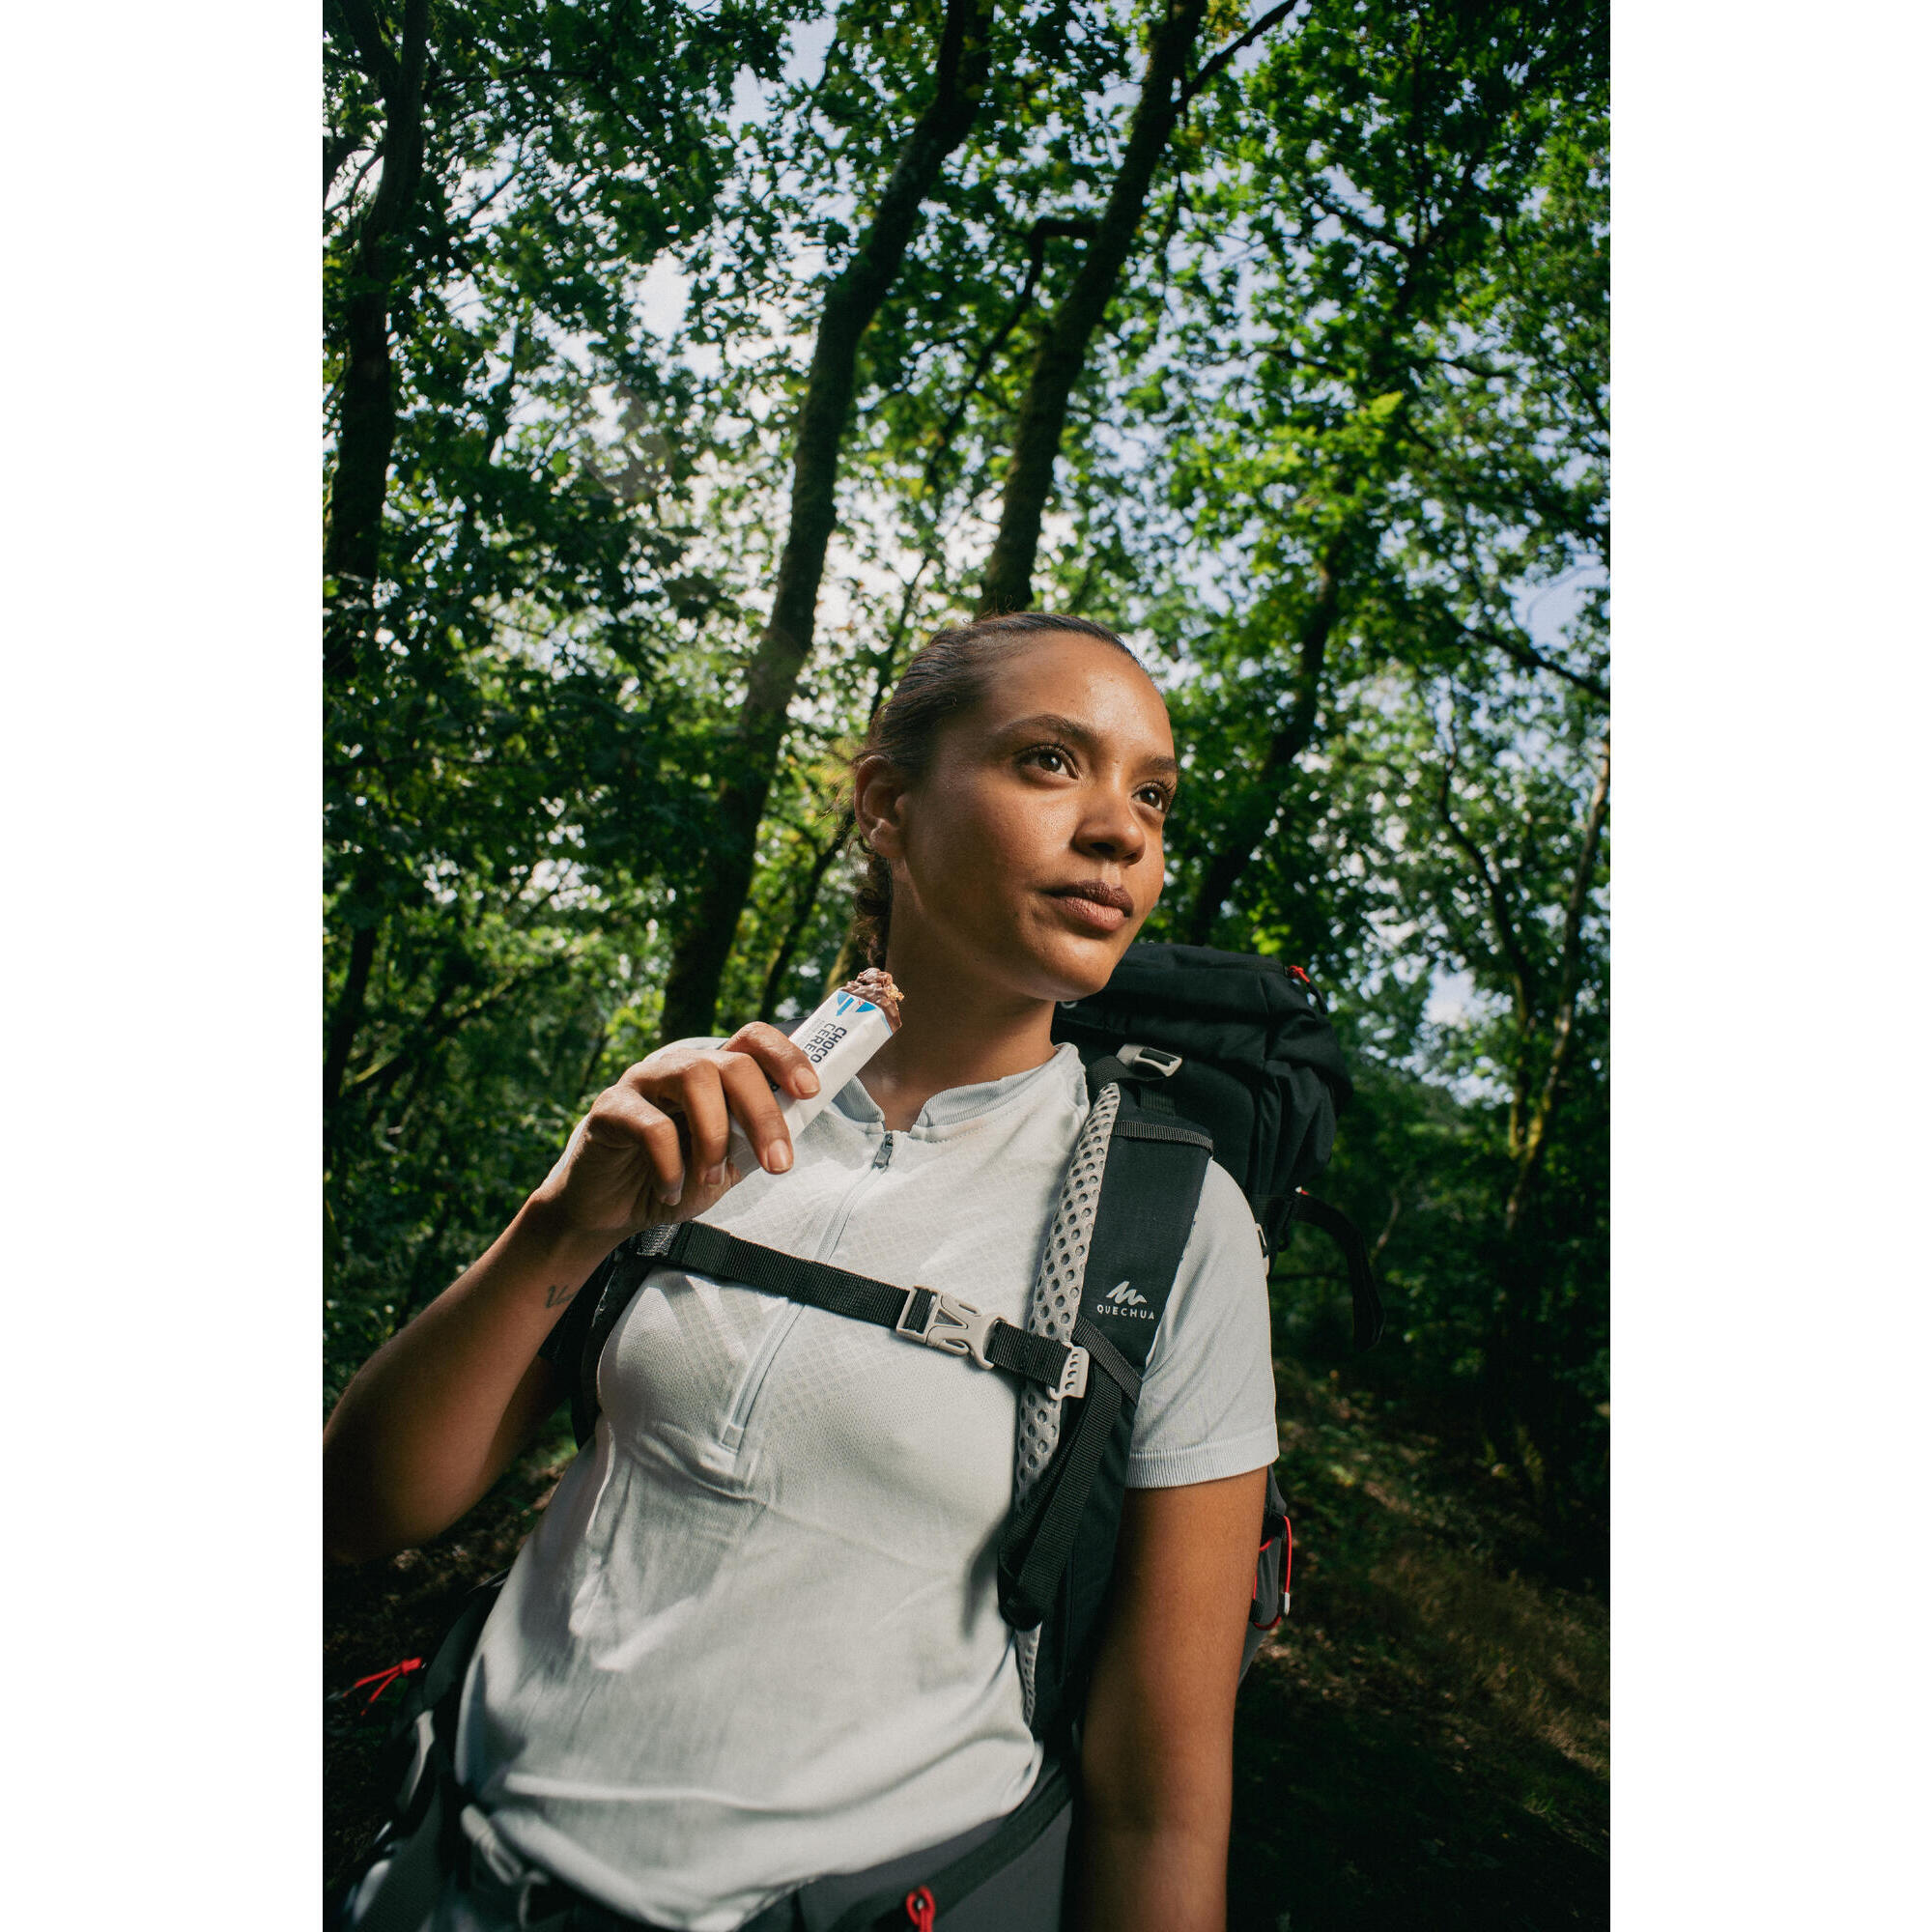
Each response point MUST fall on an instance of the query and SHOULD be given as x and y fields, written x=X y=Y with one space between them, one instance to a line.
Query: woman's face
x=1030 y=853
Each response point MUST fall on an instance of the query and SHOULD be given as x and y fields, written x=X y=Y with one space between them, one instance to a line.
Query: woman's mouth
x=1098 y=907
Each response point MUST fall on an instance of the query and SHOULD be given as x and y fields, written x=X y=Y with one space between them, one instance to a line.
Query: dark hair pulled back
x=948 y=676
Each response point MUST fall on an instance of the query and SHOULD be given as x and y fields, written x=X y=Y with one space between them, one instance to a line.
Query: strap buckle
x=490 y=1850
x=950 y=1325
x=535 y=1897
x=1155 y=1060
x=1072 y=1376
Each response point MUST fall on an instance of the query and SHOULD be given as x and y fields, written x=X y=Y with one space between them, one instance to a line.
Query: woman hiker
x=754 y=1640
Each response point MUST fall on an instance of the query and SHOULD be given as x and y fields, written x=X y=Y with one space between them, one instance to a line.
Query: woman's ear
x=878 y=800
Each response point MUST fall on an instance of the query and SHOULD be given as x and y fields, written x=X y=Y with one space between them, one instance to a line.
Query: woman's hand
x=655 y=1146
x=436 y=1414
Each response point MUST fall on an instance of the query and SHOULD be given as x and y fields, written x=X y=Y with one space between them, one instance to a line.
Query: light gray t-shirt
x=754 y=1638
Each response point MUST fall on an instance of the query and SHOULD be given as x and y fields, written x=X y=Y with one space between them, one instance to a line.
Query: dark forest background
x=687 y=366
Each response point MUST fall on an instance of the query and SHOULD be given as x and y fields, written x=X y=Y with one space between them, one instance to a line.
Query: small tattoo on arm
x=557 y=1297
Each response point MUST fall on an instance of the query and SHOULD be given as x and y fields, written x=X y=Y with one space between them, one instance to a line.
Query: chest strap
x=924 y=1314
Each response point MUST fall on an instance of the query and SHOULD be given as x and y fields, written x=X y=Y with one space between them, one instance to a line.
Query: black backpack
x=1241 y=1046
x=1214 y=1055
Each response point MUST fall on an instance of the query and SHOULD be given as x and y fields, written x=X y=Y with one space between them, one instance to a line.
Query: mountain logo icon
x=1126 y=1297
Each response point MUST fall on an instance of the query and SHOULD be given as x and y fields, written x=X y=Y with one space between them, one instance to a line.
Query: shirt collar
x=954 y=1106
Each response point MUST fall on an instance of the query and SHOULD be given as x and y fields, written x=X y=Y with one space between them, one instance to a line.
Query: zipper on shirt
x=732 y=1435
x=835 y=1231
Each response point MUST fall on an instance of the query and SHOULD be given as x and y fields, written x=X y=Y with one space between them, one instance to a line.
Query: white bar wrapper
x=838 y=1040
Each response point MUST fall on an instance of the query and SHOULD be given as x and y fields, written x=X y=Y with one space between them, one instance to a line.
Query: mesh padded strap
x=1151 y=1187
x=1052 y=1309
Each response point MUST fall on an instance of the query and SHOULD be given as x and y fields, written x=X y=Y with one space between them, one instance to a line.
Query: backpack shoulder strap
x=1057 y=1553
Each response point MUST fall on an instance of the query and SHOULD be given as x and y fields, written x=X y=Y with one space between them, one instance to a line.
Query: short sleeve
x=1207 y=1406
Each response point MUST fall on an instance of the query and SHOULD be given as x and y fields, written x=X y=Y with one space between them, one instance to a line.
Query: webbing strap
x=1039 y=1540
x=1108 y=1357
x=1162 y=1130
x=924 y=1314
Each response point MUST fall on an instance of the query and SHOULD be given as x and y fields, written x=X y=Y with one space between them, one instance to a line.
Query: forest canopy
x=686 y=365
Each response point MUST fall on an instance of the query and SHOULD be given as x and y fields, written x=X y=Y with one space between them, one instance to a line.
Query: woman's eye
x=1048 y=758
x=1156 y=796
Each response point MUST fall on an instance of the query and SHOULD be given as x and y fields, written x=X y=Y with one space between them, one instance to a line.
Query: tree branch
x=1359 y=225
x=347 y=1019
x=1258 y=800
x=1388 y=1227
x=1500 y=919
x=1524 y=653
x=428 y=1037
x=1038 y=236
x=1569 y=972
x=1221 y=60
x=800 y=917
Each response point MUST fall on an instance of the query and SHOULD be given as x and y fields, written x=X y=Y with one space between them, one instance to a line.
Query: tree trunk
x=1260 y=796
x=367 y=431
x=1007 y=583
x=710 y=916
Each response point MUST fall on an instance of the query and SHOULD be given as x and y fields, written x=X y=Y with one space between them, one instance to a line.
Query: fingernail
x=672 y=1196
x=807 y=1083
x=714 y=1175
x=778 y=1157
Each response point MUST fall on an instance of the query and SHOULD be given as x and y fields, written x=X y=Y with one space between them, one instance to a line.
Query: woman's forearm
x=1150 y=1875
x=1156 y=1756
x=436 y=1414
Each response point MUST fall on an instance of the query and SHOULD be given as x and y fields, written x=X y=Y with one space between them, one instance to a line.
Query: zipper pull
x=920 y=1908
x=884 y=1156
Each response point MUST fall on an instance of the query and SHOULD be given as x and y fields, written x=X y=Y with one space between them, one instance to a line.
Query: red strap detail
x=1286 y=1572
x=920 y=1910
x=382 y=1679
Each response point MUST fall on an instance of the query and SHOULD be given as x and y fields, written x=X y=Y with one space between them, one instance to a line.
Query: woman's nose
x=1112 y=829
